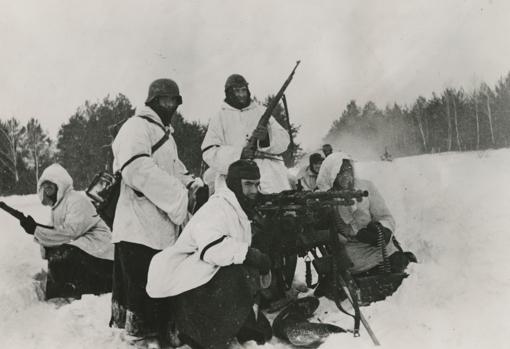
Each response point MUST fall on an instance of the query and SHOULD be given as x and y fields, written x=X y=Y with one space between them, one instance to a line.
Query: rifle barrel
x=264 y=119
x=13 y=212
x=299 y=197
x=19 y=215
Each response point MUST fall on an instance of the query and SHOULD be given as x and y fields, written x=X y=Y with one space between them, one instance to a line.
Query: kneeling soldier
x=212 y=271
x=78 y=244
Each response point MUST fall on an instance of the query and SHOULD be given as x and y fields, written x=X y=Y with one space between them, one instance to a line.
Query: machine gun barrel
x=294 y=197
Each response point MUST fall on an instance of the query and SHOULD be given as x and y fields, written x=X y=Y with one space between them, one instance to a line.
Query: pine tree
x=8 y=150
x=36 y=147
x=281 y=114
x=84 y=142
x=188 y=137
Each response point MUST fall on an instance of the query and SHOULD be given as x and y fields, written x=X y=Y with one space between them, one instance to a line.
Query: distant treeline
x=24 y=151
x=83 y=144
x=454 y=120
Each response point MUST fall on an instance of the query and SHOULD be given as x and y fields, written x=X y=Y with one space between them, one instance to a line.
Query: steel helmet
x=163 y=87
x=235 y=80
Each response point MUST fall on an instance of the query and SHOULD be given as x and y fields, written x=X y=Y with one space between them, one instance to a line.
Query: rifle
x=311 y=212
x=264 y=119
x=289 y=127
x=18 y=214
x=13 y=212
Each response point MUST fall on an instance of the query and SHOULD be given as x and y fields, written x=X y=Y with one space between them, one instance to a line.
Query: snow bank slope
x=452 y=210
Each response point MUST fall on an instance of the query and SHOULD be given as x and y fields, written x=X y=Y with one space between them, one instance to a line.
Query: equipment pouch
x=105 y=187
x=104 y=192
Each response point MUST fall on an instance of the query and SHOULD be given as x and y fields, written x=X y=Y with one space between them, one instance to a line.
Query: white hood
x=330 y=168
x=73 y=217
x=57 y=175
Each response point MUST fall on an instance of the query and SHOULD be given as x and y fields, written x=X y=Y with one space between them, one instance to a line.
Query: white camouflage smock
x=73 y=217
x=357 y=216
x=151 y=219
x=219 y=234
x=227 y=135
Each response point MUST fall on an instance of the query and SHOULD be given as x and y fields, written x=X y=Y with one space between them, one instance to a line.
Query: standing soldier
x=152 y=204
x=228 y=132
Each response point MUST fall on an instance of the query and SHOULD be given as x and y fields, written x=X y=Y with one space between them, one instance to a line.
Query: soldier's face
x=170 y=104
x=49 y=193
x=345 y=181
x=250 y=188
x=345 y=177
x=317 y=166
x=241 y=94
x=327 y=150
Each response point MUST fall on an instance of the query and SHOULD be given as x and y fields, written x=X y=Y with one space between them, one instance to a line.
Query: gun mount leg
x=355 y=305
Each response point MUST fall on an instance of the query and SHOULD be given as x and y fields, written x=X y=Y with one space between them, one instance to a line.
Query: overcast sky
x=57 y=54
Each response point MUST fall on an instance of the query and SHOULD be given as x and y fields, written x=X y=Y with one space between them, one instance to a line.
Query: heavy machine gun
x=308 y=225
x=295 y=222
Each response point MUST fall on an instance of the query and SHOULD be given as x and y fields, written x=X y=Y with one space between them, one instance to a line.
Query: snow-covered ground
x=453 y=211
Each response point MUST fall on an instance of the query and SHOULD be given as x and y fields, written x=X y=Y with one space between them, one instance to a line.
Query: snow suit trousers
x=132 y=309
x=73 y=272
x=212 y=315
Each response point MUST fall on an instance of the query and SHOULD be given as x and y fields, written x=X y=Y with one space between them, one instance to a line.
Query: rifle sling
x=133 y=159
x=209 y=147
x=45 y=226
x=19 y=215
x=152 y=121
x=160 y=142
x=155 y=147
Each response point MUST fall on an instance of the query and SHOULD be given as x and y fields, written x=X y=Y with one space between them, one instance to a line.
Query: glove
x=247 y=153
x=258 y=259
x=28 y=224
x=261 y=133
x=370 y=234
x=193 y=188
x=197 y=183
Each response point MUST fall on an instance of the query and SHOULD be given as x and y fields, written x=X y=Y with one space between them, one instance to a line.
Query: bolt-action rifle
x=18 y=214
x=264 y=119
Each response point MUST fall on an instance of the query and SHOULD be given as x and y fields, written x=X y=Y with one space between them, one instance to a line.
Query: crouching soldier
x=364 y=221
x=307 y=176
x=212 y=271
x=78 y=244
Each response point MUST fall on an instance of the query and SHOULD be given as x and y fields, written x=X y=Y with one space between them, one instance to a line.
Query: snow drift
x=452 y=211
